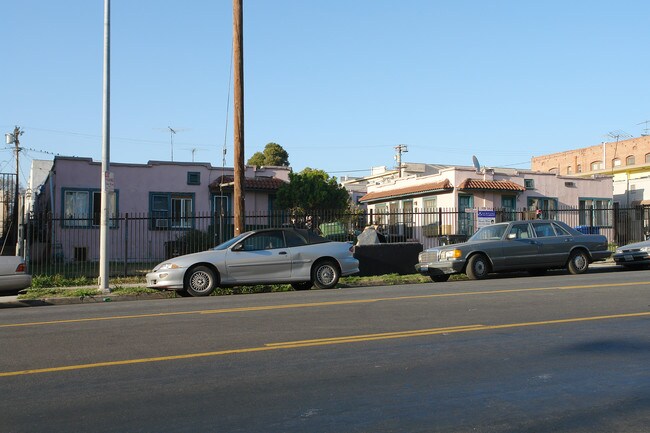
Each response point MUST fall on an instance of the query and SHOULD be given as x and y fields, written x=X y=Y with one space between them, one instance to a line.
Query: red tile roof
x=250 y=184
x=494 y=185
x=414 y=190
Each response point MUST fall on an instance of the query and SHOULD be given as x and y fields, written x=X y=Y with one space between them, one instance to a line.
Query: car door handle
x=283 y=253
x=568 y=240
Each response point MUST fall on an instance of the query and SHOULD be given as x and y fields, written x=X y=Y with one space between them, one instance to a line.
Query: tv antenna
x=618 y=134
x=172 y=132
x=646 y=129
x=194 y=150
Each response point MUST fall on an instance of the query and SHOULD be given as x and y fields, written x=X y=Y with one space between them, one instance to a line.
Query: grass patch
x=57 y=292
x=57 y=286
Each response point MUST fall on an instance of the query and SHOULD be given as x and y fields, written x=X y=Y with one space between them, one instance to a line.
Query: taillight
x=20 y=268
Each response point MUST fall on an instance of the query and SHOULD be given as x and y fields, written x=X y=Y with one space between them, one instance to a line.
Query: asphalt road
x=558 y=353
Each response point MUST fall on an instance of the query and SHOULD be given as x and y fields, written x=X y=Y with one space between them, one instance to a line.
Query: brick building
x=628 y=161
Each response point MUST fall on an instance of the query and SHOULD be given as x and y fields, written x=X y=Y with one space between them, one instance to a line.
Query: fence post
x=28 y=250
x=126 y=244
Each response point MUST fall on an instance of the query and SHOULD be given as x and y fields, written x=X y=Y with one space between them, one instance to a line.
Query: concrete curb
x=96 y=299
x=109 y=297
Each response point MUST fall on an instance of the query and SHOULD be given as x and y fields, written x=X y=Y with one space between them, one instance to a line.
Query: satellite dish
x=477 y=166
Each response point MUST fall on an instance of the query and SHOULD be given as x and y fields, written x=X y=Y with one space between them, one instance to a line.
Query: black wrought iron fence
x=70 y=246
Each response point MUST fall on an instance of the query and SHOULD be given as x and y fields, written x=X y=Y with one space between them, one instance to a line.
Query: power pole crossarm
x=400 y=148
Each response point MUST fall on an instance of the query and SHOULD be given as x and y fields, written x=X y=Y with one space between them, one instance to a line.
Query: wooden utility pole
x=238 y=63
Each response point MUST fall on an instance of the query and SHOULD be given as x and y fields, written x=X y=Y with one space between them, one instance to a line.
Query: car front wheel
x=200 y=281
x=478 y=267
x=325 y=274
x=578 y=263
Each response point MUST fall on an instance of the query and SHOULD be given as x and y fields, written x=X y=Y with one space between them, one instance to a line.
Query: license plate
x=628 y=258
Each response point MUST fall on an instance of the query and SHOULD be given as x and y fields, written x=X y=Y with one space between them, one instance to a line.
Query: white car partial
x=13 y=275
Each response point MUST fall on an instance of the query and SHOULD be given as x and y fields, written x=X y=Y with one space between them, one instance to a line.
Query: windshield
x=493 y=232
x=231 y=242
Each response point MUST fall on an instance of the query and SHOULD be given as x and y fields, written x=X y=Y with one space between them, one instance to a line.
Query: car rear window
x=311 y=237
x=294 y=239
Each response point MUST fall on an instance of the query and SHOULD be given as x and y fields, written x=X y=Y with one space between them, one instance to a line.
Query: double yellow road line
x=322 y=342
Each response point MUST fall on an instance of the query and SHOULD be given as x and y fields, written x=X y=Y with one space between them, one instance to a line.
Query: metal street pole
x=107 y=179
x=238 y=63
x=15 y=139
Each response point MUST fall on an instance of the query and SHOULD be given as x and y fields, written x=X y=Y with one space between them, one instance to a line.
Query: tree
x=273 y=155
x=312 y=190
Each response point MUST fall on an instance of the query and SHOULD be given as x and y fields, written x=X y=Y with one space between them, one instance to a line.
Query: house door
x=508 y=203
x=465 y=219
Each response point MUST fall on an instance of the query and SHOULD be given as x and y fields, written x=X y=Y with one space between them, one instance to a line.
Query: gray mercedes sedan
x=534 y=246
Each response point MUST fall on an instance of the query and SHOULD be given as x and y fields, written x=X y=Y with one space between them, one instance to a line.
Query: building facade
x=627 y=161
x=461 y=192
x=167 y=196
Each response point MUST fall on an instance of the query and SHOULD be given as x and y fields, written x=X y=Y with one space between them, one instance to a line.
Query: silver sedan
x=269 y=256
x=533 y=246
x=636 y=255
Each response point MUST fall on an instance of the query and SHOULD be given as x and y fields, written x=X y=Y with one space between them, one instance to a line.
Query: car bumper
x=632 y=259
x=440 y=268
x=599 y=256
x=11 y=283
x=349 y=266
x=167 y=279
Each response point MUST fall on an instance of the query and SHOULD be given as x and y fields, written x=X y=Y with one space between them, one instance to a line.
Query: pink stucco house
x=153 y=203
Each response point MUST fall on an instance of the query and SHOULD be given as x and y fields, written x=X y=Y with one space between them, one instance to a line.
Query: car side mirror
x=238 y=247
x=511 y=236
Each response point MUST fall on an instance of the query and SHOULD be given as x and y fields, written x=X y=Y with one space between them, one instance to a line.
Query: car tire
x=578 y=262
x=303 y=285
x=200 y=281
x=478 y=267
x=325 y=274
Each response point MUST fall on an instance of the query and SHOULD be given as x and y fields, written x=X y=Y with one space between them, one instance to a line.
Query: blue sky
x=337 y=83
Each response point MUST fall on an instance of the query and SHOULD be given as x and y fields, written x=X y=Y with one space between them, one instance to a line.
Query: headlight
x=452 y=254
x=619 y=251
x=166 y=266
x=645 y=249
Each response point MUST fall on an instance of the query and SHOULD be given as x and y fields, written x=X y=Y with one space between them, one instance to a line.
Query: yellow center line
x=322 y=342
x=323 y=304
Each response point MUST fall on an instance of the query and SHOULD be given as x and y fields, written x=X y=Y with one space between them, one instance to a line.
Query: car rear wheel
x=578 y=262
x=325 y=274
x=439 y=278
x=478 y=267
x=200 y=281
x=303 y=285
